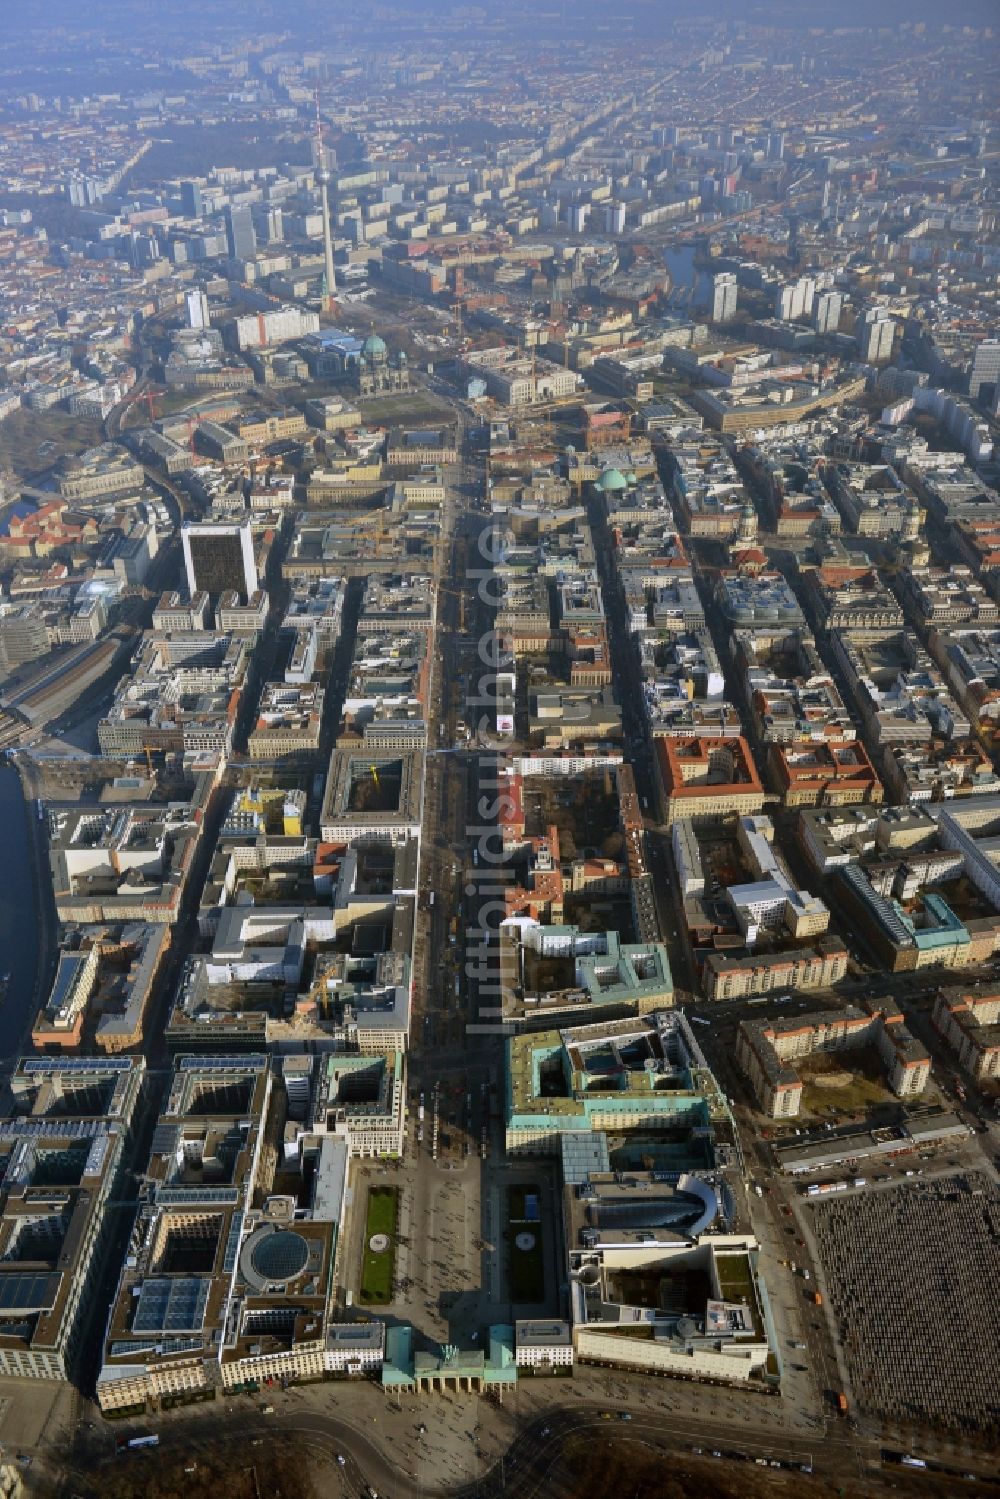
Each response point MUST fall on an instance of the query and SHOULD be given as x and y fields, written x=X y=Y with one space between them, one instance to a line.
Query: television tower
x=323 y=178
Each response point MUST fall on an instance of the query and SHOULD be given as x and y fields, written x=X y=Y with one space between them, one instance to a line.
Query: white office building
x=197 y=309
x=219 y=558
x=826 y=312
x=724 y=294
x=875 y=333
x=794 y=303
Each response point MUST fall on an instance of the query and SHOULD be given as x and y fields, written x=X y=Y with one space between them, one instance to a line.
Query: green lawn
x=407 y=408
x=527 y=1264
x=377 y=1270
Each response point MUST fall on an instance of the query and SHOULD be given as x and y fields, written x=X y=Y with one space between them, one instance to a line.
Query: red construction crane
x=148 y=396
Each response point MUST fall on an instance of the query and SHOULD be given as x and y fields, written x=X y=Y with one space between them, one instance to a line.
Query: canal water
x=19 y=955
x=690 y=287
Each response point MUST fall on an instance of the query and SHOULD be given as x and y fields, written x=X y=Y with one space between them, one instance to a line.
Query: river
x=19 y=926
x=689 y=286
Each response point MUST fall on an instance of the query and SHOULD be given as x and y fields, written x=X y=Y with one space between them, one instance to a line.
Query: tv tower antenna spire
x=323 y=178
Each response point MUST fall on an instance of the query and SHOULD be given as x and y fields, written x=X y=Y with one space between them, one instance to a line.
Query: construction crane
x=374 y=773
x=148 y=397
x=375 y=519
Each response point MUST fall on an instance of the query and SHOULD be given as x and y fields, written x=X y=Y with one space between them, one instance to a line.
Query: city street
x=500 y=543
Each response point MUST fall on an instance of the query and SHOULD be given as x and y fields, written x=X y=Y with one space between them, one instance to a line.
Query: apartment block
x=818 y=967
x=831 y=774
x=552 y=1092
x=970 y=1023
x=170 y=1319
x=105 y=983
x=766 y=1050
x=289 y=722
x=61 y=1148
x=362 y=1101
x=373 y=794
x=699 y=778
x=127 y=863
x=565 y=971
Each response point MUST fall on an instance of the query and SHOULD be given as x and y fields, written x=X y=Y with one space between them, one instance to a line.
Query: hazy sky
x=189 y=19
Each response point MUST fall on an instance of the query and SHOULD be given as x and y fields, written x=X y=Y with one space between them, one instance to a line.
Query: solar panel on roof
x=233 y=1243
x=26 y=1292
x=171 y=1305
x=198 y=1196
x=164 y=1139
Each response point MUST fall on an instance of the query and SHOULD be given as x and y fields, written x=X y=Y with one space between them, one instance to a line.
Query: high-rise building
x=985 y=371
x=826 y=311
x=578 y=215
x=191 y=200
x=241 y=241
x=144 y=249
x=24 y=635
x=614 y=218
x=258 y=329
x=724 y=294
x=207 y=246
x=218 y=558
x=776 y=146
x=198 y=315
x=795 y=302
x=875 y=333
x=268 y=223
